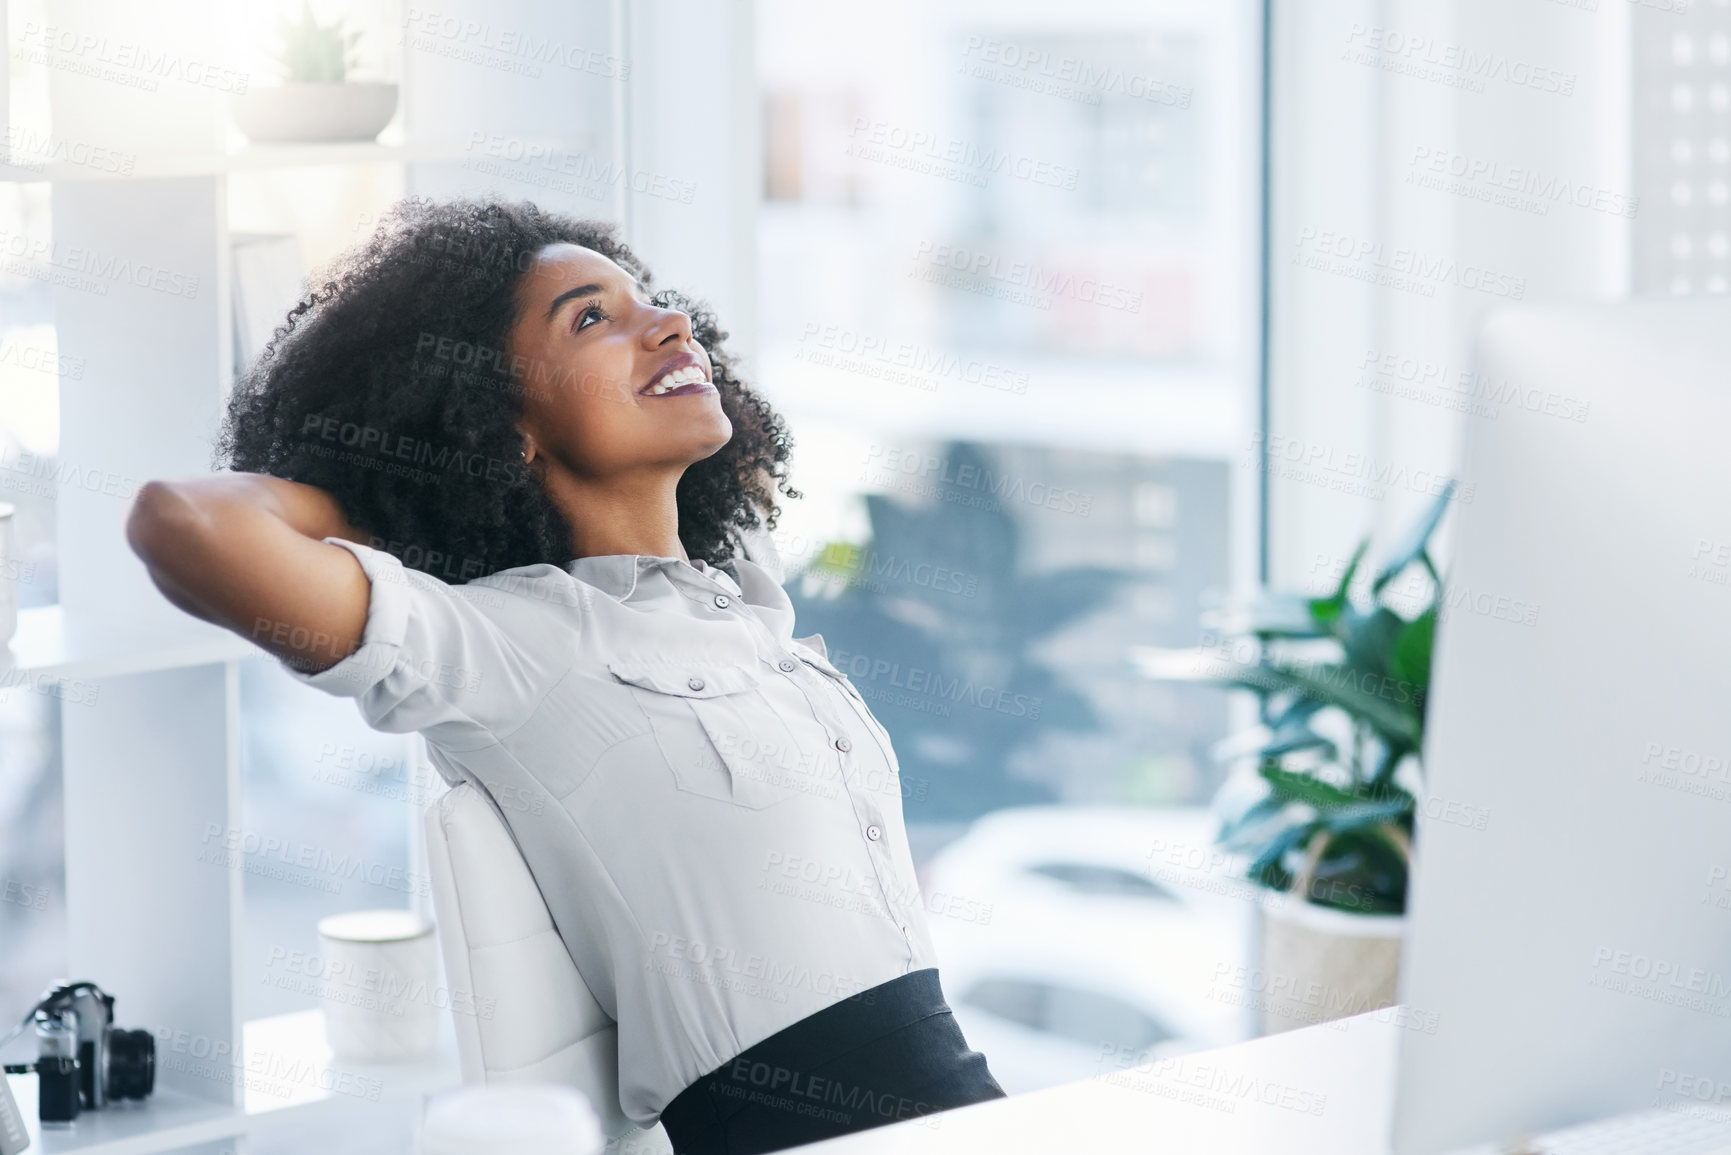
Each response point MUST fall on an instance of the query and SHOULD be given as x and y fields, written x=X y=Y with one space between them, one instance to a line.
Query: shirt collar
x=617 y=573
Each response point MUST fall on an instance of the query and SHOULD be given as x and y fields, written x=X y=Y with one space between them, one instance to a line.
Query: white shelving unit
x=151 y=705
x=245 y=157
x=287 y=1078
x=172 y=1119
x=50 y=646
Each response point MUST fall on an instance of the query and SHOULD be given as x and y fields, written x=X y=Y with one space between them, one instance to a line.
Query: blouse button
x=722 y=601
x=843 y=745
x=873 y=833
x=787 y=665
x=695 y=683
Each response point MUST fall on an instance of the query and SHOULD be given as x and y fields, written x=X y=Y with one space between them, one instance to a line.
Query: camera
x=85 y=1062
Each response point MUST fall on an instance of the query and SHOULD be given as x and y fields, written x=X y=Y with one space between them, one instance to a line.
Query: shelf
x=48 y=646
x=167 y=1120
x=272 y=156
x=289 y=1076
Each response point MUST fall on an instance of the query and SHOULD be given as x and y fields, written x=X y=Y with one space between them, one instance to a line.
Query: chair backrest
x=531 y=1018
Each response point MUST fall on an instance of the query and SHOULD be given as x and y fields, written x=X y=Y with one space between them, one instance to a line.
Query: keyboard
x=1684 y=1129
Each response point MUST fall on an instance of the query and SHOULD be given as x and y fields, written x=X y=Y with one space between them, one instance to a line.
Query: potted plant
x=1323 y=803
x=316 y=101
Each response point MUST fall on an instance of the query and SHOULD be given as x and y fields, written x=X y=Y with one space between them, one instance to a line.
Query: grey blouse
x=711 y=812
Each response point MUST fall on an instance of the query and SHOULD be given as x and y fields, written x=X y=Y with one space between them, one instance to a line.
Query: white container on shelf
x=8 y=574
x=380 y=984
x=301 y=112
x=512 y=1119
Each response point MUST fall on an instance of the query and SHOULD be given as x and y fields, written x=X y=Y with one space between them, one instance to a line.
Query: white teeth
x=683 y=376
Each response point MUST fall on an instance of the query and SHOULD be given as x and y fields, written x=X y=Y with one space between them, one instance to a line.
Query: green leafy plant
x=314 y=53
x=1342 y=691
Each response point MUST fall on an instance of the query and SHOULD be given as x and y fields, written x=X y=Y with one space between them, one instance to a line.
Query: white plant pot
x=1320 y=964
x=313 y=112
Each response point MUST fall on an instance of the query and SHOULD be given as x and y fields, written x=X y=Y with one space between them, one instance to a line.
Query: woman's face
x=611 y=384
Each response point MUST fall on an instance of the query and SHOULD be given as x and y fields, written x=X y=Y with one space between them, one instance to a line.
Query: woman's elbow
x=160 y=516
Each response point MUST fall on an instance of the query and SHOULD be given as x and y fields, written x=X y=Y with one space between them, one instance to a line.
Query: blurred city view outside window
x=1007 y=301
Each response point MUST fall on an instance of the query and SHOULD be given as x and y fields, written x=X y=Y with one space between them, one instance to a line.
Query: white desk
x=1323 y=1089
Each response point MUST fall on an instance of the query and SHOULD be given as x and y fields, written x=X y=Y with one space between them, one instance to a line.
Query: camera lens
x=131 y=1063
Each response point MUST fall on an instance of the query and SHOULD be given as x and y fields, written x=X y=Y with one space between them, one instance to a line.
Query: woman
x=487 y=487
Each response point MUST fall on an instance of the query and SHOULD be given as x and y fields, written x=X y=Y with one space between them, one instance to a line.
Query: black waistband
x=890 y=1052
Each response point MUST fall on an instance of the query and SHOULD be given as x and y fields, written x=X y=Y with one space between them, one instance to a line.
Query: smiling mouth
x=686 y=379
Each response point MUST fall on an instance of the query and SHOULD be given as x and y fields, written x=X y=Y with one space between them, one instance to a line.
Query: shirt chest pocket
x=718 y=735
x=822 y=665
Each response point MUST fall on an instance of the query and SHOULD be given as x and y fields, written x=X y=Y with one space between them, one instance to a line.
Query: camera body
x=114 y=1063
x=57 y=1091
x=84 y=1061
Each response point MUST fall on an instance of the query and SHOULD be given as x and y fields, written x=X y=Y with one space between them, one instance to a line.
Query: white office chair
x=532 y=1019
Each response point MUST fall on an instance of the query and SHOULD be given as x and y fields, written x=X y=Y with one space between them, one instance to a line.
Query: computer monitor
x=1573 y=955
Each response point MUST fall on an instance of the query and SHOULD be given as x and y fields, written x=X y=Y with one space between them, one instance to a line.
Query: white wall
x=693 y=152
x=1460 y=83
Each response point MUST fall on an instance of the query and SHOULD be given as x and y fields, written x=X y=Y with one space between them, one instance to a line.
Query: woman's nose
x=670 y=325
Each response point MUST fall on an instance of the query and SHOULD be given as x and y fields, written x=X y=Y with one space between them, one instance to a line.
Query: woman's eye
x=592 y=311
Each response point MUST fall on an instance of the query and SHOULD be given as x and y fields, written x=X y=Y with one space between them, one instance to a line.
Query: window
x=1007 y=291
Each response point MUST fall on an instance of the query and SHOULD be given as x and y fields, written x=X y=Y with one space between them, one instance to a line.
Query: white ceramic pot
x=1320 y=964
x=313 y=112
x=512 y=1119
x=379 y=984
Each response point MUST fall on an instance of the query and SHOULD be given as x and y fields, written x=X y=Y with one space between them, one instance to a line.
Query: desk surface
x=1325 y=1089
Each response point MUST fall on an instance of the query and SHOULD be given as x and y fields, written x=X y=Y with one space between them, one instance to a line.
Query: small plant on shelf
x=317 y=99
x=314 y=53
x=1342 y=690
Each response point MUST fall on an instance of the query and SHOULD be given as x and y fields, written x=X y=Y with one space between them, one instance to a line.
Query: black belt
x=888 y=1053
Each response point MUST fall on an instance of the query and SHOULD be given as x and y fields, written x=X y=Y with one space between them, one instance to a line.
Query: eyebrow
x=581 y=291
x=571 y=294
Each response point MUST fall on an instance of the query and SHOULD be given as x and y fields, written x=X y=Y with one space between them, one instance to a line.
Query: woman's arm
x=243 y=550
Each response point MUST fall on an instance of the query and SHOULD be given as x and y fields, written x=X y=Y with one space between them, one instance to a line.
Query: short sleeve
x=433 y=658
